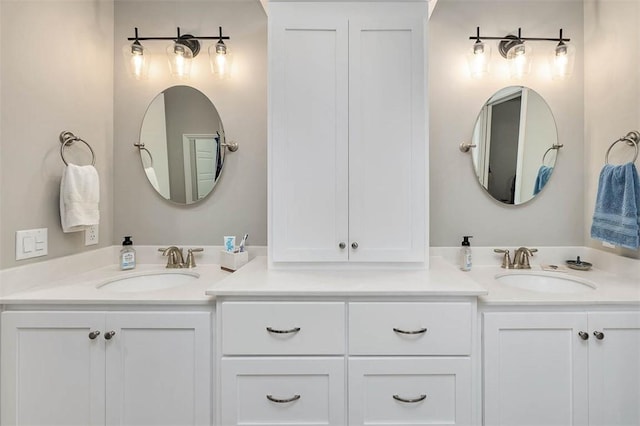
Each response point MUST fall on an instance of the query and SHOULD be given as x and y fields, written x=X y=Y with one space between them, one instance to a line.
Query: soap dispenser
x=127 y=254
x=465 y=254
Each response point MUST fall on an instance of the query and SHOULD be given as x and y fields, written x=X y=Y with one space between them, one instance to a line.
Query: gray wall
x=458 y=205
x=238 y=203
x=56 y=61
x=612 y=92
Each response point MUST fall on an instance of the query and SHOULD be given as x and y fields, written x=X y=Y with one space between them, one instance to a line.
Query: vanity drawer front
x=410 y=328
x=410 y=391
x=283 y=328
x=277 y=391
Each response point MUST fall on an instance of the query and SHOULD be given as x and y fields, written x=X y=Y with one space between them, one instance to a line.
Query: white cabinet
x=347 y=139
x=142 y=368
x=552 y=368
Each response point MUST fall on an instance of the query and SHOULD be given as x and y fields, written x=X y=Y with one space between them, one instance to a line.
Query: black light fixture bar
x=514 y=37
x=180 y=37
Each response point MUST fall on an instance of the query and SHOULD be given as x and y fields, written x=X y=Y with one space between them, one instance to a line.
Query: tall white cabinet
x=347 y=136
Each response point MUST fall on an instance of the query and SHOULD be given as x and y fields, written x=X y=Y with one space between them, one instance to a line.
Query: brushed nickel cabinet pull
x=94 y=334
x=583 y=335
x=599 y=335
x=276 y=331
x=109 y=334
x=420 y=331
x=410 y=400
x=283 y=401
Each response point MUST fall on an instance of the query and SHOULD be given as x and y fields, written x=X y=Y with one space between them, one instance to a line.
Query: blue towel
x=544 y=173
x=616 y=219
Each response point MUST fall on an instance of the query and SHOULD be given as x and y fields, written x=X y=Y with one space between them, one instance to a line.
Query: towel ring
x=555 y=146
x=67 y=139
x=632 y=139
x=141 y=147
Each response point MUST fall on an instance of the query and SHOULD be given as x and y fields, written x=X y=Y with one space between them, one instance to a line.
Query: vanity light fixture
x=478 y=57
x=180 y=54
x=519 y=54
x=219 y=58
x=137 y=62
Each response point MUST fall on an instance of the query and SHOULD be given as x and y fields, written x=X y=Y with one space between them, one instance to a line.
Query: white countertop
x=83 y=288
x=611 y=289
x=255 y=280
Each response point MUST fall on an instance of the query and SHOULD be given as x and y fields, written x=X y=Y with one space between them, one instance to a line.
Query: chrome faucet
x=521 y=258
x=174 y=255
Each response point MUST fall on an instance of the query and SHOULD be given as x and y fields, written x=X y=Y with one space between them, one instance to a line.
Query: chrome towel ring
x=631 y=139
x=141 y=147
x=67 y=139
x=555 y=146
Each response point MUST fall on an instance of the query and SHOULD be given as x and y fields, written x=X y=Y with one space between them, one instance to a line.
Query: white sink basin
x=148 y=281
x=545 y=282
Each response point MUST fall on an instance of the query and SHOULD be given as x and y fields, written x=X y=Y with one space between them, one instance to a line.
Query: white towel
x=153 y=179
x=79 y=198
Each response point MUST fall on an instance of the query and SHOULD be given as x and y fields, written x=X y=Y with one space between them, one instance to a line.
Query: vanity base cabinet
x=142 y=369
x=410 y=391
x=279 y=391
x=562 y=368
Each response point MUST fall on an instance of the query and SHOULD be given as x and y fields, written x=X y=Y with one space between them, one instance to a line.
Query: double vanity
x=266 y=346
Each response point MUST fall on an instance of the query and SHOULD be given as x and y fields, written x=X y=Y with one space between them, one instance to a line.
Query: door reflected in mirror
x=516 y=145
x=183 y=145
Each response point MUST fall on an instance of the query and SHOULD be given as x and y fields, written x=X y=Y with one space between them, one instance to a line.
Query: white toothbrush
x=244 y=240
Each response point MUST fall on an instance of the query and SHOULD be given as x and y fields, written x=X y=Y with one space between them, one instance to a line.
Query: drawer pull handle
x=94 y=334
x=109 y=334
x=410 y=400
x=421 y=331
x=283 y=401
x=599 y=335
x=292 y=330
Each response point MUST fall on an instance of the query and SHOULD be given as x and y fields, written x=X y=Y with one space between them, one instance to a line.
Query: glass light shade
x=180 y=57
x=220 y=60
x=478 y=59
x=561 y=60
x=519 y=57
x=136 y=61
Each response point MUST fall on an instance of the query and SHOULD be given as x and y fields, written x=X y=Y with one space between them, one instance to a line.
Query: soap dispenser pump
x=465 y=253
x=127 y=254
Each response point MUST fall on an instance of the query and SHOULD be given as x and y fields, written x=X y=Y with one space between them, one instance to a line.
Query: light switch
x=31 y=243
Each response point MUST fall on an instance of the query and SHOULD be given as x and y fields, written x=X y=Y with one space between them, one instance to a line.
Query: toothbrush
x=244 y=240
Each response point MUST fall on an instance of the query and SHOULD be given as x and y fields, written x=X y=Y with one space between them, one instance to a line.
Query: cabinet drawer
x=410 y=328
x=283 y=328
x=277 y=391
x=410 y=391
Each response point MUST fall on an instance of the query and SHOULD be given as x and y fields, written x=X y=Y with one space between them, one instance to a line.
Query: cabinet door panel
x=387 y=137
x=614 y=369
x=436 y=391
x=52 y=372
x=535 y=369
x=159 y=369
x=308 y=134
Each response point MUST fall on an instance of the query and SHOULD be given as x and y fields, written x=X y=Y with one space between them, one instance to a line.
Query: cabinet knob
x=410 y=400
x=599 y=335
x=283 y=401
x=94 y=334
x=109 y=334
x=583 y=335
x=354 y=245
x=342 y=245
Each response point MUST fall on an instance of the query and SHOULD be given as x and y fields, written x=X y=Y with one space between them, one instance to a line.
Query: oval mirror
x=516 y=145
x=182 y=145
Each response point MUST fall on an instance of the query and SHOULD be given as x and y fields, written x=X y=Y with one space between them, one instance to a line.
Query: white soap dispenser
x=465 y=254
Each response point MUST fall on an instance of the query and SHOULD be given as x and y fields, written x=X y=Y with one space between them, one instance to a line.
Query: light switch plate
x=31 y=243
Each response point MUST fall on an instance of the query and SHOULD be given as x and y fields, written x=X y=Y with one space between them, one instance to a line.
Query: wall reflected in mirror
x=516 y=145
x=183 y=140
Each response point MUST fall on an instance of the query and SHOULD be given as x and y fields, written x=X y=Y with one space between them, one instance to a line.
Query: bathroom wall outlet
x=91 y=235
x=31 y=243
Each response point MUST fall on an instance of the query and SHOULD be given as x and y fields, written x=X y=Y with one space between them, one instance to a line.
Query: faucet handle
x=191 y=260
x=506 y=259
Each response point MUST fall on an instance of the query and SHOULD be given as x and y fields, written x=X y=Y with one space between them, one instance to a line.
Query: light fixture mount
x=507 y=43
x=511 y=40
